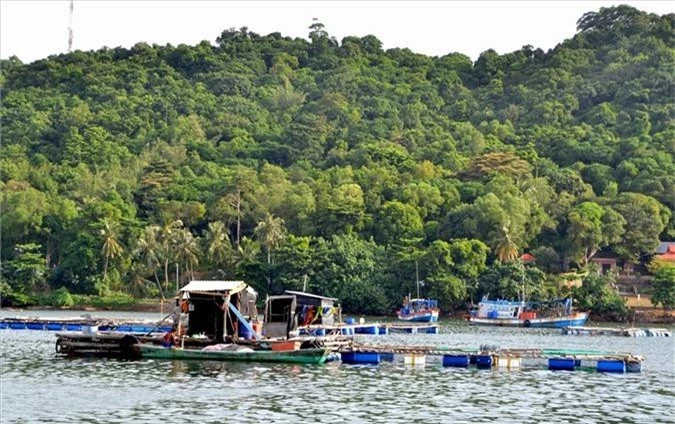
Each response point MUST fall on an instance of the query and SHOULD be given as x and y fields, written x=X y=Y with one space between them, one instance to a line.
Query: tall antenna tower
x=70 y=28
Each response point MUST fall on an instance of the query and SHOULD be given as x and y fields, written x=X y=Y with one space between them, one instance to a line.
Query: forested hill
x=337 y=164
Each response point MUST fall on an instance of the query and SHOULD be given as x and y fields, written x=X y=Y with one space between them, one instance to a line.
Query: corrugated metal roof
x=316 y=296
x=214 y=286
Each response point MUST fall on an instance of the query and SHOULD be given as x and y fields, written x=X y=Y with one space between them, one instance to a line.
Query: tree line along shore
x=343 y=168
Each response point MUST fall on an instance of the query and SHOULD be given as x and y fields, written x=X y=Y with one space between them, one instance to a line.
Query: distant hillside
x=337 y=164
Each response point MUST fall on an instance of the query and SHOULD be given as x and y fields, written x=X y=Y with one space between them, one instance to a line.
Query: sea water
x=37 y=386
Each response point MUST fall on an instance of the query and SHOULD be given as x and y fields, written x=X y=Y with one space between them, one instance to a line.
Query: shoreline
x=655 y=316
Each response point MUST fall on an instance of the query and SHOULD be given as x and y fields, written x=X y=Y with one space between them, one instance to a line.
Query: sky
x=33 y=30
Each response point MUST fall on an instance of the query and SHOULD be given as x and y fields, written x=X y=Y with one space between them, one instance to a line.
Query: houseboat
x=213 y=320
x=554 y=314
x=294 y=312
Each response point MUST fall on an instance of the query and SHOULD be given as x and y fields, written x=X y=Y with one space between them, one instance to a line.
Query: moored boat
x=300 y=356
x=419 y=310
x=552 y=314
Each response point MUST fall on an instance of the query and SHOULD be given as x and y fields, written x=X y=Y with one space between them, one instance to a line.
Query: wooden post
x=226 y=308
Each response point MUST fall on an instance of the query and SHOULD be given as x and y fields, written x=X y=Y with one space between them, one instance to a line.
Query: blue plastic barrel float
x=348 y=331
x=611 y=365
x=52 y=326
x=561 y=364
x=35 y=326
x=3 y=325
x=320 y=332
x=383 y=330
x=369 y=329
x=633 y=366
x=483 y=361
x=460 y=361
x=360 y=357
x=17 y=325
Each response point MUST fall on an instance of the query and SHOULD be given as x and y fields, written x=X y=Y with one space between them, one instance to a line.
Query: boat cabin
x=418 y=305
x=286 y=312
x=505 y=309
x=216 y=309
x=499 y=309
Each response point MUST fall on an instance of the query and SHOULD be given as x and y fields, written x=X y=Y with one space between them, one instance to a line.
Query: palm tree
x=186 y=249
x=166 y=242
x=138 y=284
x=148 y=251
x=269 y=232
x=217 y=242
x=111 y=246
x=246 y=251
x=234 y=200
x=505 y=248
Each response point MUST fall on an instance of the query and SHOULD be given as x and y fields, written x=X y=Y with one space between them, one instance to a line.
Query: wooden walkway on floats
x=371 y=329
x=487 y=349
x=491 y=356
x=622 y=332
x=83 y=324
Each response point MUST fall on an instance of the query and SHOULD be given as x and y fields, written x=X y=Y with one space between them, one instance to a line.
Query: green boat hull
x=302 y=356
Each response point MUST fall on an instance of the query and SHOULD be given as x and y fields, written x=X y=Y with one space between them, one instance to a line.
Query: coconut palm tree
x=270 y=232
x=111 y=246
x=246 y=252
x=505 y=248
x=138 y=284
x=166 y=238
x=186 y=249
x=217 y=241
x=148 y=252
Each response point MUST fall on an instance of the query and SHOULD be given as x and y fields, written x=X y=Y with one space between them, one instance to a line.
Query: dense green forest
x=339 y=166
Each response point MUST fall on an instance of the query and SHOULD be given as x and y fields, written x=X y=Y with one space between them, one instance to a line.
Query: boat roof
x=520 y=302
x=216 y=287
x=316 y=296
x=501 y=302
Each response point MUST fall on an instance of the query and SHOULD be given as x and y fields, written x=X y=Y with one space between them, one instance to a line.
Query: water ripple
x=39 y=387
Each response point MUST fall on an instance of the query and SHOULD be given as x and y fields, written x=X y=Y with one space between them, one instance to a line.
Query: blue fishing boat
x=555 y=314
x=419 y=310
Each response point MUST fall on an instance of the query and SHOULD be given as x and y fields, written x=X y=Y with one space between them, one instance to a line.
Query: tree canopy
x=284 y=160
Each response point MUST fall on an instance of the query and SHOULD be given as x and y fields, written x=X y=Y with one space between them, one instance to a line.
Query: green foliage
x=592 y=227
x=261 y=156
x=598 y=296
x=62 y=298
x=512 y=281
x=645 y=219
x=351 y=270
x=664 y=287
x=26 y=273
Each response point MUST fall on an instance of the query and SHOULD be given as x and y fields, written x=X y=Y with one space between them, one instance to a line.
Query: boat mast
x=417 y=279
x=522 y=279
